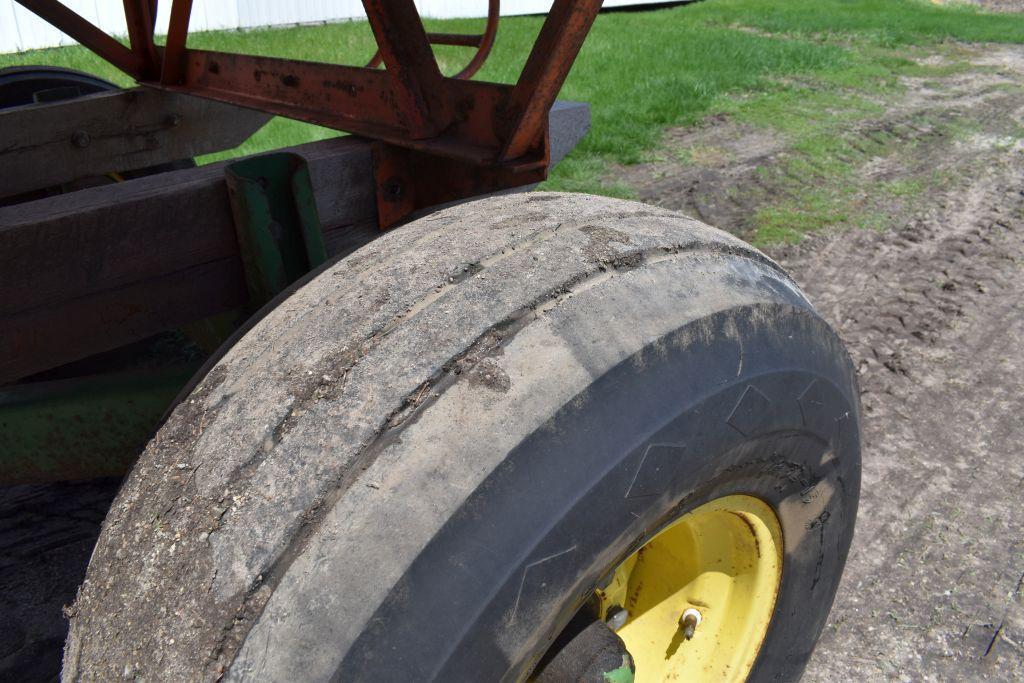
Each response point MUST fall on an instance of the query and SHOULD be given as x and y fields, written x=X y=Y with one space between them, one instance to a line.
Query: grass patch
x=645 y=71
x=790 y=220
x=887 y=23
x=821 y=183
x=905 y=187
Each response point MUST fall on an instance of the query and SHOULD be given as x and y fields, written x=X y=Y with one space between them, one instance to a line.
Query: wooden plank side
x=95 y=269
x=41 y=338
x=45 y=145
x=92 y=270
x=144 y=232
x=152 y=226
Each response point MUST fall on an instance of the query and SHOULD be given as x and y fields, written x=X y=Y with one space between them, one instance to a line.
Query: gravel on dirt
x=932 y=313
x=47 y=534
x=1000 y=5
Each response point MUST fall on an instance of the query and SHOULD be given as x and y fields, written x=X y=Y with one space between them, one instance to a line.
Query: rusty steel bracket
x=276 y=221
x=409 y=180
x=483 y=137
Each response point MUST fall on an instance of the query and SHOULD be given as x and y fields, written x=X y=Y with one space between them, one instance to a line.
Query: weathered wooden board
x=88 y=271
x=45 y=145
x=95 y=269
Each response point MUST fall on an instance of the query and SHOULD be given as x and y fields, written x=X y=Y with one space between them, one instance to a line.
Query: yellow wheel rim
x=720 y=564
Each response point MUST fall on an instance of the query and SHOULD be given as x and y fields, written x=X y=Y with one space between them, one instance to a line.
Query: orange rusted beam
x=483 y=136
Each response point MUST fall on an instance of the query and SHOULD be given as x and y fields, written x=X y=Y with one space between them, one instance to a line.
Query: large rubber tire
x=419 y=465
x=21 y=85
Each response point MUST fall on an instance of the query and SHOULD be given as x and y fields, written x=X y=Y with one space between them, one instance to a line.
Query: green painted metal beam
x=84 y=427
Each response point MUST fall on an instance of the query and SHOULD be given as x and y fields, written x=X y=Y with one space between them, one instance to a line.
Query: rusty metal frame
x=483 y=42
x=463 y=137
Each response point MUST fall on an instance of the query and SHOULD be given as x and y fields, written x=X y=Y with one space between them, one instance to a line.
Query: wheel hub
x=699 y=596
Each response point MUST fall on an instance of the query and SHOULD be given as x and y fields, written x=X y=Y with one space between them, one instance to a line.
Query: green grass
x=830 y=121
x=889 y=23
x=644 y=71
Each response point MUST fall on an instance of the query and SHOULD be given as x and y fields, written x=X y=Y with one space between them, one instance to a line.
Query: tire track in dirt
x=933 y=317
x=931 y=309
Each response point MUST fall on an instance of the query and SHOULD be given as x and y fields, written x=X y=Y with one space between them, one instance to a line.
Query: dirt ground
x=46 y=536
x=995 y=5
x=930 y=306
x=933 y=313
x=929 y=303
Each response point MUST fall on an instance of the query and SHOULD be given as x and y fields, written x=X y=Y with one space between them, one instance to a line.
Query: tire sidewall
x=758 y=400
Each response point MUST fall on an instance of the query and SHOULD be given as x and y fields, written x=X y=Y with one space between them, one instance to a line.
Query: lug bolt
x=393 y=190
x=80 y=139
x=616 y=617
x=689 y=622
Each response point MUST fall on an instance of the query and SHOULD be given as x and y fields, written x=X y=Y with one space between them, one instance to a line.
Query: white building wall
x=22 y=30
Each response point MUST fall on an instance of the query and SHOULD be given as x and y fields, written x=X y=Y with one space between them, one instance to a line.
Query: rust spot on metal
x=343 y=86
x=634 y=596
x=753 y=531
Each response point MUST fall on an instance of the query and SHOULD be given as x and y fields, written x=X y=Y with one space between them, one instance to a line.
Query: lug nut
x=689 y=622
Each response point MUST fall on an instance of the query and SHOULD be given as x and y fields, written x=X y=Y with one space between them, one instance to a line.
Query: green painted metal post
x=276 y=220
